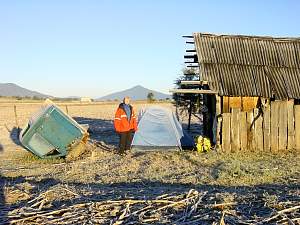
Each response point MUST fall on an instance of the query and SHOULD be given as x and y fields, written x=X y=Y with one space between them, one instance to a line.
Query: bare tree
x=190 y=104
x=150 y=97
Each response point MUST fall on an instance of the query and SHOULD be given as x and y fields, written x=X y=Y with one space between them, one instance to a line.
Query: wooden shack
x=251 y=86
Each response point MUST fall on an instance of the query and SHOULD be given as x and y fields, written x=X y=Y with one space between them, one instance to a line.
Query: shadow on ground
x=14 y=135
x=251 y=201
x=100 y=130
x=2 y=198
x=103 y=130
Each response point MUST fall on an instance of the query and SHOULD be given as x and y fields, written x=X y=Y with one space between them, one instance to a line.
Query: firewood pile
x=193 y=207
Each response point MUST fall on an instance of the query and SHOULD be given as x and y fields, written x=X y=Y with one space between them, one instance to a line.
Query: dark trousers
x=125 y=141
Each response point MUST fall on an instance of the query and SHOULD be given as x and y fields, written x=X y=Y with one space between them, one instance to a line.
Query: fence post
x=67 y=109
x=16 y=116
x=250 y=130
x=16 y=119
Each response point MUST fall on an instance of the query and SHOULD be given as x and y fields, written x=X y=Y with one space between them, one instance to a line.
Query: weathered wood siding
x=274 y=128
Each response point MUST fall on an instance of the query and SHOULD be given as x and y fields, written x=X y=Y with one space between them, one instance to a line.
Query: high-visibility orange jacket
x=121 y=122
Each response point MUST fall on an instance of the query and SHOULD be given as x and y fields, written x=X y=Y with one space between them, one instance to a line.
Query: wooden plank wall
x=297 y=126
x=243 y=103
x=274 y=128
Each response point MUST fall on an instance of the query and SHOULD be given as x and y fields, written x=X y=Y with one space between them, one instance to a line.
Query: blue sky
x=93 y=48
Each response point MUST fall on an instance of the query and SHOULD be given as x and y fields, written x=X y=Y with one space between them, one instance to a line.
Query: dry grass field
x=148 y=188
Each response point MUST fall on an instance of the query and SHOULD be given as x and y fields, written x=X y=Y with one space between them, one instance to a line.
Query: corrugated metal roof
x=238 y=65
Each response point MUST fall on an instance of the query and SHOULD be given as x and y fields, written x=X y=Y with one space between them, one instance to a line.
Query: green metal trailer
x=51 y=133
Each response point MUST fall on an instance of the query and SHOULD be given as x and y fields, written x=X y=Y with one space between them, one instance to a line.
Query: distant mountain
x=10 y=89
x=135 y=93
x=77 y=97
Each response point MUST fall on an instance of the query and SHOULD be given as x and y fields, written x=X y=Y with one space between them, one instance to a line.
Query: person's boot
x=122 y=153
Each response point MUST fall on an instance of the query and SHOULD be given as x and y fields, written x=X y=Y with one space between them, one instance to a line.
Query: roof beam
x=190 y=50
x=190 y=56
x=193 y=91
x=192 y=63
x=199 y=82
x=192 y=66
x=195 y=72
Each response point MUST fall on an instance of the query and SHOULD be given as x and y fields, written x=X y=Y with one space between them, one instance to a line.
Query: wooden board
x=267 y=127
x=258 y=126
x=274 y=125
x=291 y=124
x=194 y=82
x=226 y=132
x=225 y=104
x=297 y=126
x=235 y=135
x=235 y=102
x=243 y=130
x=282 y=126
x=249 y=103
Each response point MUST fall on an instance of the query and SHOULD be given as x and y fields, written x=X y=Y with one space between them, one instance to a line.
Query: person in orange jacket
x=125 y=125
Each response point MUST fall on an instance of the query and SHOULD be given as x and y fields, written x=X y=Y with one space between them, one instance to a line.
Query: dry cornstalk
x=282 y=212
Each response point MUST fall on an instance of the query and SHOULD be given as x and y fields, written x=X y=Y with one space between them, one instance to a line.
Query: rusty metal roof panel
x=250 y=65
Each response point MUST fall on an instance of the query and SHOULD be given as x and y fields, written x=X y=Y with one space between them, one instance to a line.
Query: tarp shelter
x=51 y=133
x=159 y=129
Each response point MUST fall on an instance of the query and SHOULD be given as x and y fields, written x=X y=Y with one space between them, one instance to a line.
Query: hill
x=10 y=89
x=135 y=93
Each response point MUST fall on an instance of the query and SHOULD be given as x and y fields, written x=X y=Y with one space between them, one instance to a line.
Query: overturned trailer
x=52 y=133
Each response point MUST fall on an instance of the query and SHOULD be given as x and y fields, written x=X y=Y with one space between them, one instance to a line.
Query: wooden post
x=67 y=109
x=190 y=114
x=297 y=126
x=291 y=125
x=177 y=116
x=16 y=119
x=267 y=128
x=250 y=130
x=213 y=117
x=218 y=120
x=16 y=116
